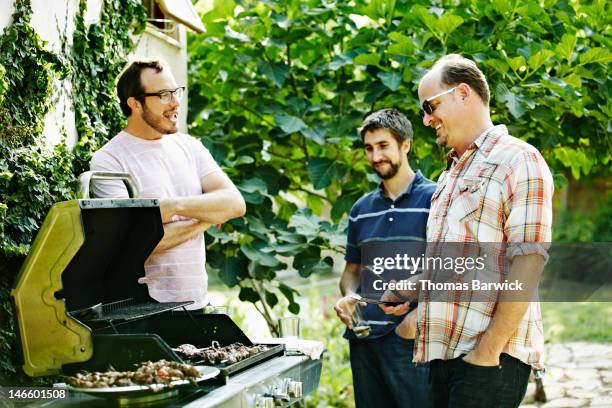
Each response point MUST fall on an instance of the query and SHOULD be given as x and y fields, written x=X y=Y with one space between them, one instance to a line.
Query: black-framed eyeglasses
x=427 y=107
x=165 y=96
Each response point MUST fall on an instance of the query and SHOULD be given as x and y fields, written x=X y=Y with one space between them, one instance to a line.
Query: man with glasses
x=495 y=189
x=173 y=167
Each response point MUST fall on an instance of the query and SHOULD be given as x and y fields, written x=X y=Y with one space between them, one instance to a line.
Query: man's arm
x=220 y=202
x=528 y=196
x=526 y=269
x=175 y=233
x=349 y=282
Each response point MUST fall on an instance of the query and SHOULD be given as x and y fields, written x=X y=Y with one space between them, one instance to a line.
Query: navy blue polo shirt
x=377 y=218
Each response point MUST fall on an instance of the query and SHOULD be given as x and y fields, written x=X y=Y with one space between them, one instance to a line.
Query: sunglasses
x=427 y=107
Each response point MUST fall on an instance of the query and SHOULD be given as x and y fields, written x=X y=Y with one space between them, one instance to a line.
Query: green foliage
x=578 y=226
x=3 y=83
x=28 y=66
x=33 y=175
x=278 y=89
x=577 y=321
x=602 y=231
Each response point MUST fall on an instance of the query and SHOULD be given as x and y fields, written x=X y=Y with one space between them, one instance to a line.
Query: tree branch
x=266 y=313
x=254 y=112
x=305 y=148
x=321 y=196
x=273 y=153
x=271 y=327
x=291 y=77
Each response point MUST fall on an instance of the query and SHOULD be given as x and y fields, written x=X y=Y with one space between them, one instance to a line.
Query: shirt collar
x=487 y=139
x=484 y=142
x=418 y=179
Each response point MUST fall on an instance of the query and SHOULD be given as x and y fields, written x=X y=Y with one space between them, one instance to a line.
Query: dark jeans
x=457 y=384
x=385 y=376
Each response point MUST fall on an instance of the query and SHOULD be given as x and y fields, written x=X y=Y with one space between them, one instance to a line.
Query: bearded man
x=395 y=212
x=173 y=167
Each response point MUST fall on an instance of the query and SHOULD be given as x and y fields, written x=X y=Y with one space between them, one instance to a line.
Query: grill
x=80 y=306
x=123 y=310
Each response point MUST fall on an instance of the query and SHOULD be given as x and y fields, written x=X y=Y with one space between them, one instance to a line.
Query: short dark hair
x=391 y=119
x=129 y=83
x=456 y=69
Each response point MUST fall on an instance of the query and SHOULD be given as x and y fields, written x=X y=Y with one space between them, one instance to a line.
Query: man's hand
x=398 y=310
x=167 y=208
x=345 y=307
x=478 y=358
x=407 y=327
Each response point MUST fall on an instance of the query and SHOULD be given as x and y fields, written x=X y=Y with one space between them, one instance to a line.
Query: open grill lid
x=86 y=252
x=119 y=235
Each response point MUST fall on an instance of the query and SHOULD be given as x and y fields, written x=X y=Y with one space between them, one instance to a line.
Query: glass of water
x=360 y=327
x=289 y=327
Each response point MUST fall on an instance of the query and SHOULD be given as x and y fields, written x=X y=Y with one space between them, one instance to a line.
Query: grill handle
x=85 y=181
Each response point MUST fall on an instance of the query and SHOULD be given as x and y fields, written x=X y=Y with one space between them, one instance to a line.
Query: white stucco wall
x=6 y=9
x=54 y=20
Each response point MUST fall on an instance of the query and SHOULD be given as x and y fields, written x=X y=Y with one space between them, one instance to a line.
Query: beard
x=390 y=172
x=156 y=122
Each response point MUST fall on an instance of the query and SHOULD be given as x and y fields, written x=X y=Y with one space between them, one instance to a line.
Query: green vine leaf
x=275 y=72
x=289 y=124
x=258 y=256
x=367 y=59
x=391 y=80
x=596 y=55
x=566 y=46
x=322 y=170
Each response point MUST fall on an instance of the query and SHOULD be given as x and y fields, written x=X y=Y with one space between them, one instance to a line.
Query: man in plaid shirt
x=495 y=189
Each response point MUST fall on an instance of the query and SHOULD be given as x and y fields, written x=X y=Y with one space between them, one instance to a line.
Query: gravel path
x=577 y=375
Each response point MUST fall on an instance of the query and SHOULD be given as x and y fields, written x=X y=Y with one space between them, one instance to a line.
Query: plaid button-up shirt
x=499 y=191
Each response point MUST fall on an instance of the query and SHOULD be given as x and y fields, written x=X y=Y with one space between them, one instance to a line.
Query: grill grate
x=231 y=369
x=125 y=310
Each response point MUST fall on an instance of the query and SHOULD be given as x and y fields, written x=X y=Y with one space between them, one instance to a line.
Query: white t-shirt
x=172 y=166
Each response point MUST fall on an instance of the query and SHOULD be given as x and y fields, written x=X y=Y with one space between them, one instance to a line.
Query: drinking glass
x=360 y=327
x=289 y=327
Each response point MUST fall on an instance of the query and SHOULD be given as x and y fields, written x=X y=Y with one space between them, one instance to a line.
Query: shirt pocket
x=468 y=204
x=481 y=181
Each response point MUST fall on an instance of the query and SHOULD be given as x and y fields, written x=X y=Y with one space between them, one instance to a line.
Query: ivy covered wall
x=34 y=175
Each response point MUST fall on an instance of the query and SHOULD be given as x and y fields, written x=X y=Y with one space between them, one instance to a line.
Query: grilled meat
x=219 y=355
x=159 y=372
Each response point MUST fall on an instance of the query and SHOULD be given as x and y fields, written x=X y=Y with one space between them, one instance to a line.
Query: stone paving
x=577 y=375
